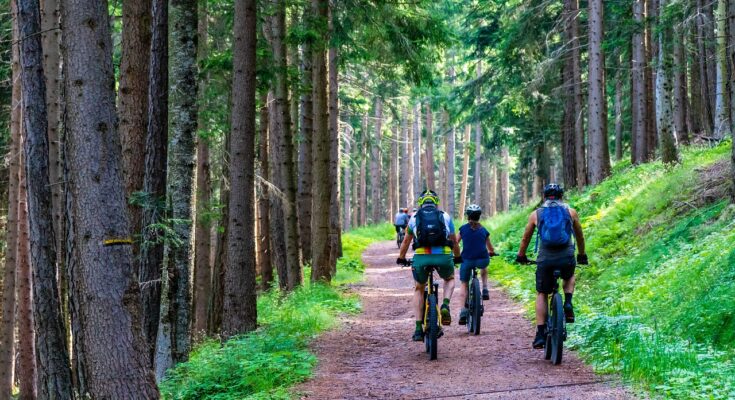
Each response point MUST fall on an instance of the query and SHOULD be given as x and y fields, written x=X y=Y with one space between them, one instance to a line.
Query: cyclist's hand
x=522 y=259
x=582 y=259
x=492 y=254
x=458 y=260
x=402 y=261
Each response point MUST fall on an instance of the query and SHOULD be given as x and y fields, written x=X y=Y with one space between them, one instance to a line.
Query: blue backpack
x=554 y=226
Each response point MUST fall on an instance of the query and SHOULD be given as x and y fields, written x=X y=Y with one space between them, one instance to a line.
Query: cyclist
x=400 y=221
x=476 y=252
x=553 y=213
x=432 y=233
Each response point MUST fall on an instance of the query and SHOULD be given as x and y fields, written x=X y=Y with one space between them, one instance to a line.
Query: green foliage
x=266 y=363
x=655 y=303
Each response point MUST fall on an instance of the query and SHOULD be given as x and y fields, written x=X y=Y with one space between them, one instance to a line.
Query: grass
x=655 y=305
x=264 y=364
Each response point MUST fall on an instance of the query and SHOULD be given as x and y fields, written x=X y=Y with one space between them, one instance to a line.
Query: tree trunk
x=264 y=238
x=375 y=186
x=651 y=46
x=202 y=235
x=599 y=154
x=441 y=151
x=619 y=111
x=109 y=347
x=363 y=171
x=722 y=123
x=571 y=11
x=429 y=152
x=133 y=103
x=680 y=88
x=478 y=163
x=492 y=183
x=405 y=165
x=275 y=196
x=320 y=224
x=54 y=378
x=154 y=177
x=638 y=84
x=393 y=175
x=217 y=300
x=347 y=179
x=704 y=24
x=568 y=146
x=306 y=127
x=335 y=225
x=416 y=152
x=7 y=327
x=451 y=192
x=504 y=195
x=27 y=371
x=465 y=169
x=282 y=128
x=664 y=117
x=240 y=311
x=696 y=102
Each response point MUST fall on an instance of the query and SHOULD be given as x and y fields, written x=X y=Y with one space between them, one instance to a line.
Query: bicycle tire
x=547 y=346
x=433 y=331
x=557 y=334
x=476 y=307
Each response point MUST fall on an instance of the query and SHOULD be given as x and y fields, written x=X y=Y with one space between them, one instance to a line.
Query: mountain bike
x=431 y=316
x=556 y=331
x=474 y=305
x=400 y=235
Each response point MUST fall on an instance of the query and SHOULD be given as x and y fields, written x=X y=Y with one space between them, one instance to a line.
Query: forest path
x=372 y=355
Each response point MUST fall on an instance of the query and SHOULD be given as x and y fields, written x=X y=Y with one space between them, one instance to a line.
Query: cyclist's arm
x=455 y=244
x=404 y=246
x=578 y=234
x=528 y=234
x=489 y=245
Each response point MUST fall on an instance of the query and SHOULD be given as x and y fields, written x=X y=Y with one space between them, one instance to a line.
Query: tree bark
x=240 y=311
x=619 y=111
x=320 y=223
x=429 y=179
x=651 y=46
x=54 y=378
x=405 y=164
x=451 y=192
x=109 y=347
x=347 y=179
x=27 y=371
x=133 y=102
x=393 y=174
x=416 y=152
x=375 y=164
x=722 y=123
x=568 y=146
x=695 y=87
x=276 y=196
x=680 y=88
x=363 y=171
x=638 y=84
x=665 y=119
x=202 y=234
x=465 y=169
x=154 y=176
x=335 y=224
x=492 y=183
x=704 y=24
x=504 y=183
x=306 y=127
x=7 y=326
x=571 y=11
x=478 y=163
x=264 y=239
x=599 y=153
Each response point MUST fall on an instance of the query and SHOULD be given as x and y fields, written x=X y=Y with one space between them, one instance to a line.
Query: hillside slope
x=656 y=302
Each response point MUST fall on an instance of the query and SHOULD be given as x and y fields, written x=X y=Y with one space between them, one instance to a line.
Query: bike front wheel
x=475 y=307
x=557 y=331
x=432 y=331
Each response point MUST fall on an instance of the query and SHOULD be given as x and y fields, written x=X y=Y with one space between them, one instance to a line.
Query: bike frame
x=428 y=291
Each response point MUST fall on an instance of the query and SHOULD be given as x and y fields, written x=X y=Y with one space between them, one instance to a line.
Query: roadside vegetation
x=655 y=304
x=265 y=363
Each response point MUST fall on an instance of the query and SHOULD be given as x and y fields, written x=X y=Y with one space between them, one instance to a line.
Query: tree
x=619 y=112
x=109 y=347
x=416 y=150
x=55 y=376
x=639 y=136
x=183 y=95
x=264 y=241
x=665 y=119
x=133 y=100
x=347 y=178
x=375 y=163
x=504 y=181
x=363 y=173
x=321 y=184
x=405 y=167
x=574 y=88
x=154 y=176
x=429 y=181
x=599 y=154
x=240 y=312
x=722 y=123
x=465 y=169
x=335 y=232
x=306 y=128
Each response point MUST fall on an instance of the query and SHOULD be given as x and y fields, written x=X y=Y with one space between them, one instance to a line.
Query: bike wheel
x=557 y=334
x=476 y=305
x=432 y=333
x=547 y=347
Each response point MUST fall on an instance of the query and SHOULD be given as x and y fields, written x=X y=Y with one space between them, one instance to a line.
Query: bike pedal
x=440 y=334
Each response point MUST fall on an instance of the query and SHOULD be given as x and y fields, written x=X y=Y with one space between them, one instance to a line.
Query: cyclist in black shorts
x=559 y=226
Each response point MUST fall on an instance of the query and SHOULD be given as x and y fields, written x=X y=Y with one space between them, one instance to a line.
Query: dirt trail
x=372 y=356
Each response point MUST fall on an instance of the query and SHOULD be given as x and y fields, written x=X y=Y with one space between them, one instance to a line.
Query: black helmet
x=473 y=212
x=553 y=191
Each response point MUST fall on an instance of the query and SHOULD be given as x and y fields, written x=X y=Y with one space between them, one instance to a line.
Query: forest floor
x=372 y=355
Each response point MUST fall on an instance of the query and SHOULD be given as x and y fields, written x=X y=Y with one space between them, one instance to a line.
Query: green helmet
x=428 y=197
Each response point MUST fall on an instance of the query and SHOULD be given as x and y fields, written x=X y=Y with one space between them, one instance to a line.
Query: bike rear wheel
x=432 y=331
x=475 y=307
x=557 y=333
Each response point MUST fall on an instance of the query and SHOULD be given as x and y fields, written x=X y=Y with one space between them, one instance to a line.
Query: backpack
x=430 y=228
x=554 y=226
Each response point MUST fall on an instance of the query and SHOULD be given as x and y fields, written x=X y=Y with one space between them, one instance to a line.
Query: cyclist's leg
x=419 y=277
x=544 y=286
x=465 y=274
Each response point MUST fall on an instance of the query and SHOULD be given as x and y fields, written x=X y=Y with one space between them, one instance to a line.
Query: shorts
x=465 y=271
x=398 y=227
x=545 y=273
x=442 y=263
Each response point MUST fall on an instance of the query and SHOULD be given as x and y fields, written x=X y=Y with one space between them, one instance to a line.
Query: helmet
x=428 y=197
x=553 y=191
x=473 y=212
